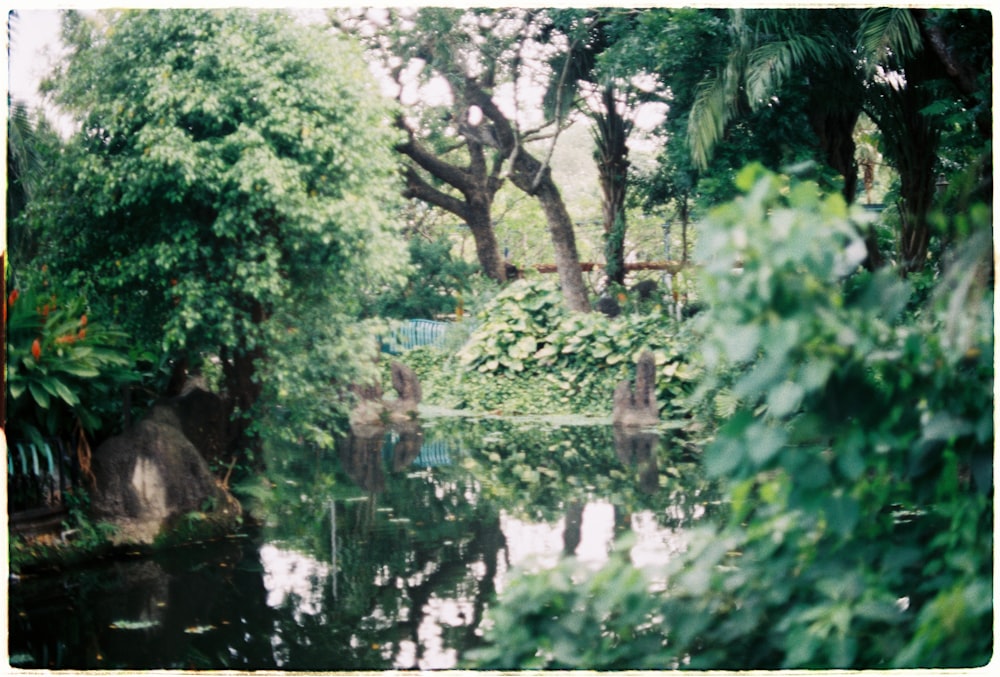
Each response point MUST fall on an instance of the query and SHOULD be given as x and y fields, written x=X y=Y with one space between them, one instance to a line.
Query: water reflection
x=381 y=556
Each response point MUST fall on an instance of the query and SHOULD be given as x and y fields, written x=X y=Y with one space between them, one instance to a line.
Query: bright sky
x=34 y=39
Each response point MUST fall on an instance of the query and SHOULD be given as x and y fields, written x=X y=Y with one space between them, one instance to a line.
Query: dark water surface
x=383 y=555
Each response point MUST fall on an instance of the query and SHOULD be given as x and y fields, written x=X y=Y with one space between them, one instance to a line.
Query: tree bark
x=912 y=144
x=535 y=179
x=478 y=186
x=612 y=167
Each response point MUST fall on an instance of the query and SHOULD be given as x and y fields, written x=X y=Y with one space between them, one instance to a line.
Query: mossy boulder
x=150 y=476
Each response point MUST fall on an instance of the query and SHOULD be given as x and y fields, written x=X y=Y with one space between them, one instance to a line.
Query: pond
x=384 y=554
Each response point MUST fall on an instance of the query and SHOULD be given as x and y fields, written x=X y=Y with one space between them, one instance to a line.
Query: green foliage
x=526 y=327
x=228 y=196
x=64 y=368
x=856 y=452
x=534 y=466
x=84 y=540
x=608 y=621
x=511 y=326
x=529 y=355
x=435 y=284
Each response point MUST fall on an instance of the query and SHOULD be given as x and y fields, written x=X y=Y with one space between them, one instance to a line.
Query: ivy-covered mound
x=528 y=354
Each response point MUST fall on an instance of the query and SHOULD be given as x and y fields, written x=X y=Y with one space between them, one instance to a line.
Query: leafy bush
x=435 y=284
x=529 y=355
x=856 y=454
x=511 y=326
x=64 y=368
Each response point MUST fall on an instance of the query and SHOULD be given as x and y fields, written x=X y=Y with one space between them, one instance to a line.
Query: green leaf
x=784 y=399
x=763 y=441
x=80 y=370
x=842 y=513
x=39 y=393
x=65 y=393
x=740 y=343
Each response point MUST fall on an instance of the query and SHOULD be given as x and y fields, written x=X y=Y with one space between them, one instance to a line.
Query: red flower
x=36 y=349
x=12 y=298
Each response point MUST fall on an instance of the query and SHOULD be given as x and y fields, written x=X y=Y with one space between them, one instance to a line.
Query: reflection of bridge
x=433 y=453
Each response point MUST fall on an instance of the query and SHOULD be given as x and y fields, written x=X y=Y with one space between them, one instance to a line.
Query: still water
x=382 y=555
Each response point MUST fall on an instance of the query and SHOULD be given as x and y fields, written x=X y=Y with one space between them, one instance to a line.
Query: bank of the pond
x=83 y=540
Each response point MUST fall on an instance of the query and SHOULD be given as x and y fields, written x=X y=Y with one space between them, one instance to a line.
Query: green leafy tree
x=855 y=446
x=227 y=193
x=435 y=286
x=477 y=55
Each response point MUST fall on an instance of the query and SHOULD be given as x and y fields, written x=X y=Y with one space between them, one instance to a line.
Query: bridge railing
x=38 y=477
x=413 y=334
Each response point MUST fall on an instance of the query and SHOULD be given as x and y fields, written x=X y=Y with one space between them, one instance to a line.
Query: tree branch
x=417 y=187
x=455 y=176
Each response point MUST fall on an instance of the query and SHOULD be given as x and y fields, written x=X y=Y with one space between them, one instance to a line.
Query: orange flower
x=82 y=334
x=13 y=297
x=83 y=320
x=68 y=338
x=36 y=349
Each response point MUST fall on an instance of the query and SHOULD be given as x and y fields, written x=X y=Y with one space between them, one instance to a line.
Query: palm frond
x=772 y=63
x=23 y=160
x=715 y=104
x=886 y=32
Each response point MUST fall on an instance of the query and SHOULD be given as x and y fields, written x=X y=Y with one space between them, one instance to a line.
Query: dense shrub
x=435 y=284
x=65 y=369
x=856 y=451
x=529 y=355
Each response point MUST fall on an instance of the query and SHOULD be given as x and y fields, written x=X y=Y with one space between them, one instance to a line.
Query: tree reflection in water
x=381 y=556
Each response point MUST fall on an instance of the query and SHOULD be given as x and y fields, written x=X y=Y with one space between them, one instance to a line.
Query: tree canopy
x=229 y=184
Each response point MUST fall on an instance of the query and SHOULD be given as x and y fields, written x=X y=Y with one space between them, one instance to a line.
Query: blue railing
x=37 y=474
x=433 y=454
x=413 y=334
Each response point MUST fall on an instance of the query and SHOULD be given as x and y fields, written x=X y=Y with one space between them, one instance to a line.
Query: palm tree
x=877 y=61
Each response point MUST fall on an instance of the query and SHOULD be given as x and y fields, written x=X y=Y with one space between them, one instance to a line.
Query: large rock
x=152 y=474
x=637 y=406
x=407 y=387
x=371 y=408
x=205 y=419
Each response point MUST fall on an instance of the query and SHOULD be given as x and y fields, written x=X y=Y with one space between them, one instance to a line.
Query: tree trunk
x=835 y=130
x=487 y=249
x=535 y=179
x=525 y=173
x=911 y=138
x=477 y=184
x=612 y=167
